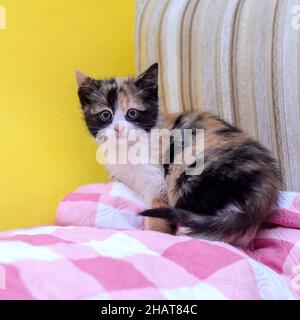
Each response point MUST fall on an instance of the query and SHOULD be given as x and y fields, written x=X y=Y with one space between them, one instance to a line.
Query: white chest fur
x=145 y=179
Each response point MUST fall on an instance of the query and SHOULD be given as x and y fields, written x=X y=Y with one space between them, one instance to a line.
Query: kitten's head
x=120 y=104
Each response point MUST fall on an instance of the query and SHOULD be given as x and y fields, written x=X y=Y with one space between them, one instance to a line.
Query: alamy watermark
x=158 y=147
x=2 y=17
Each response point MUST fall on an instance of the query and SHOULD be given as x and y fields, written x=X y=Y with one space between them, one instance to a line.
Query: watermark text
x=158 y=147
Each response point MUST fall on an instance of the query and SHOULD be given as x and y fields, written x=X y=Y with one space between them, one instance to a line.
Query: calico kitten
x=228 y=201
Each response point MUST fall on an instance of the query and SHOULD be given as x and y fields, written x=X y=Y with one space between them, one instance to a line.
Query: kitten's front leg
x=156 y=224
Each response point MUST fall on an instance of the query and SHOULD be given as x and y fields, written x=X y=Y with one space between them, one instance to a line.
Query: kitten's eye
x=105 y=116
x=133 y=114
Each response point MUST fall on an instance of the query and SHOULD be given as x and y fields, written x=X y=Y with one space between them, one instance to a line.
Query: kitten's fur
x=230 y=199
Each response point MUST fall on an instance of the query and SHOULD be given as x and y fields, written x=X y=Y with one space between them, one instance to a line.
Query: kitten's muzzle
x=119 y=131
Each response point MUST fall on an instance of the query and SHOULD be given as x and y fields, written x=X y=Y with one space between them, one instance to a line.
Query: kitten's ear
x=81 y=78
x=88 y=88
x=149 y=78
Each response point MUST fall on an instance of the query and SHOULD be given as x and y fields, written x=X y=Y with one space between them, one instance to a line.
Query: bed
x=98 y=250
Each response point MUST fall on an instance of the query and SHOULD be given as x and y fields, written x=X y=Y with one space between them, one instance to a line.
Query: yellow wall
x=45 y=150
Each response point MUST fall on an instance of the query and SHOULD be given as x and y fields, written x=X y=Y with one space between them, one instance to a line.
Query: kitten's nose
x=119 y=131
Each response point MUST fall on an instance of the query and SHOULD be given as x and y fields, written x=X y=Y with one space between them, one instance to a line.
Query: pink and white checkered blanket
x=116 y=260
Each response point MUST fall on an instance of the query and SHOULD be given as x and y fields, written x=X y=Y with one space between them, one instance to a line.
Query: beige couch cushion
x=238 y=59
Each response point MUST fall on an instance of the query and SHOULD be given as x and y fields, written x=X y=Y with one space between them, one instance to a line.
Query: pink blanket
x=116 y=260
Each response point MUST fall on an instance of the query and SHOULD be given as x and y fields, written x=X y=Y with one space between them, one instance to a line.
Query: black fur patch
x=177 y=145
x=228 y=130
x=183 y=121
x=227 y=180
x=146 y=91
x=112 y=97
x=146 y=120
x=94 y=123
x=91 y=94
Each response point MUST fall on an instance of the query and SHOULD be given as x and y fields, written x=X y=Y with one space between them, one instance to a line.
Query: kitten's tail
x=230 y=226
